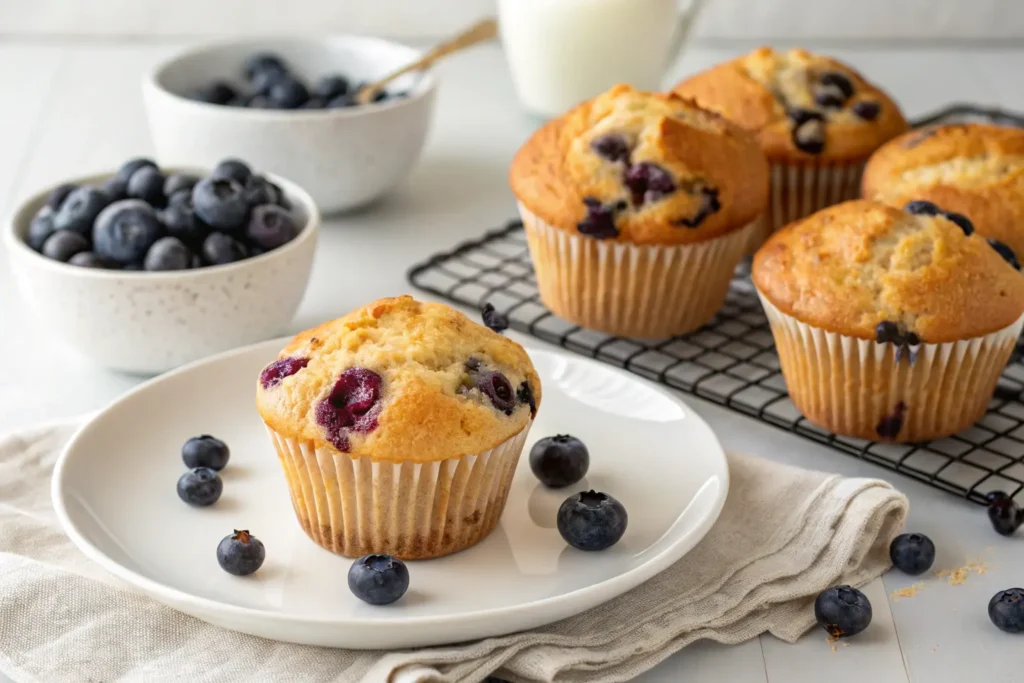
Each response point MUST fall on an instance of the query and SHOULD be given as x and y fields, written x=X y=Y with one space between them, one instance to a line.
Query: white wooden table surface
x=69 y=108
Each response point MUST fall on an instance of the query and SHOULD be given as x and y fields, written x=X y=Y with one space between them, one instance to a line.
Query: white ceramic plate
x=114 y=491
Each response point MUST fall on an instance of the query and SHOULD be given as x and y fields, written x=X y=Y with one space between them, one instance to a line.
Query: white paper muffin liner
x=356 y=506
x=798 y=191
x=645 y=291
x=850 y=385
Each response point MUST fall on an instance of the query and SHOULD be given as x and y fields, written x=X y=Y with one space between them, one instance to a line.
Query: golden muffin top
x=861 y=268
x=641 y=167
x=972 y=169
x=802 y=107
x=400 y=380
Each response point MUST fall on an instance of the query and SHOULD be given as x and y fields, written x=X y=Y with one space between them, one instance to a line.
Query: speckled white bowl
x=147 y=323
x=344 y=157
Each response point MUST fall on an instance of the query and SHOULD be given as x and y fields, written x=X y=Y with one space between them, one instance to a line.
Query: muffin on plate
x=637 y=207
x=816 y=119
x=399 y=427
x=971 y=169
x=889 y=324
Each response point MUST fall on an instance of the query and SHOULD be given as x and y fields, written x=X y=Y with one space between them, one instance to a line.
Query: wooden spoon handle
x=477 y=33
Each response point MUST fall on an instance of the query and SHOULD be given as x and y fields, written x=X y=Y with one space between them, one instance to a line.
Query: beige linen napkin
x=784 y=535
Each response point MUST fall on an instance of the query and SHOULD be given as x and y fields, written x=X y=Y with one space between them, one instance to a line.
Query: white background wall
x=919 y=20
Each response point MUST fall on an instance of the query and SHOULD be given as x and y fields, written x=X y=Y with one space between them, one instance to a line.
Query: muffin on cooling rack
x=637 y=207
x=816 y=119
x=399 y=427
x=973 y=170
x=889 y=324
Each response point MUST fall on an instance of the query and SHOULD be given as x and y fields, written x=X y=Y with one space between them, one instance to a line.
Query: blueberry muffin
x=637 y=207
x=889 y=324
x=816 y=119
x=399 y=427
x=970 y=170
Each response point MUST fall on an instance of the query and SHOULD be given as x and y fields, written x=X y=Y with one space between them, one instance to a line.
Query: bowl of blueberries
x=149 y=267
x=288 y=106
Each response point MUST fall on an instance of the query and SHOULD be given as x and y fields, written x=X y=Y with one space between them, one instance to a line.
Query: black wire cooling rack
x=731 y=361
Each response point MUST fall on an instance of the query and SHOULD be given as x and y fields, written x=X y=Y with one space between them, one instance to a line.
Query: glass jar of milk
x=562 y=52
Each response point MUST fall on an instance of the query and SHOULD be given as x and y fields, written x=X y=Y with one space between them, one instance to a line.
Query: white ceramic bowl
x=145 y=322
x=344 y=158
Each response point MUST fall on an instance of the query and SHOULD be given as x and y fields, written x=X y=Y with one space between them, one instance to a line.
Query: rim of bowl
x=26 y=209
x=424 y=87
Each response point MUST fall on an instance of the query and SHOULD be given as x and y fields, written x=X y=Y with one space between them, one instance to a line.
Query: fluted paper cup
x=412 y=510
x=645 y=291
x=858 y=387
x=797 y=191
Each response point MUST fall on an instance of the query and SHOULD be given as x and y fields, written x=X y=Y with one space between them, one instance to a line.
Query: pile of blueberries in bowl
x=271 y=84
x=145 y=219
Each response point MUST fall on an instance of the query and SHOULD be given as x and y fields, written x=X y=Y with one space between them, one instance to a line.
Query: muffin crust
x=854 y=265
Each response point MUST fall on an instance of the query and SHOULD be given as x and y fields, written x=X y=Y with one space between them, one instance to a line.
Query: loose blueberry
x=270 y=227
x=524 y=394
x=216 y=92
x=80 y=209
x=961 y=220
x=125 y=230
x=809 y=136
x=181 y=221
x=219 y=248
x=1006 y=610
x=842 y=611
x=648 y=182
x=288 y=93
x=912 y=553
x=1003 y=250
x=314 y=103
x=887 y=332
x=129 y=168
x=1006 y=516
x=331 y=86
x=87 y=259
x=64 y=244
x=709 y=205
x=40 y=228
x=147 y=184
x=241 y=553
x=58 y=194
x=352 y=406
x=281 y=368
x=240 y=100
x=497 y=388
x=920 y=207
x=115 y=189
x=591 y=521
x=233 y=169
x=560 y=460
x=200 y=487
x=205 y=451
x=493 y=319
x=838 y=80
x=599 y=221
x=168 y=253
x=378 y=579
x=262 y=62
x=179 y=181
x=889 y=426
x=261 y=102
x=258 y=191
x=221 y=203
x=341 y=102
x=197 y=261
x=611 y=147
x=867 y=110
